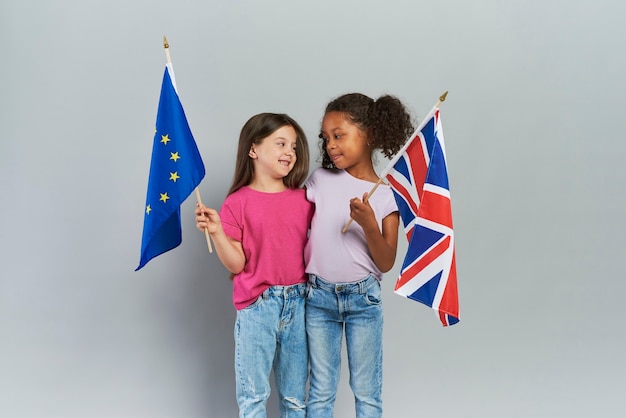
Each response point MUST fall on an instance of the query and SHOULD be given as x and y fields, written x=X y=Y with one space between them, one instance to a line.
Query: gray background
x=533 y=126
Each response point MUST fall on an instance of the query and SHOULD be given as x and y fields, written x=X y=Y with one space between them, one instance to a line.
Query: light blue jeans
x=270 y=334
x=331 y=309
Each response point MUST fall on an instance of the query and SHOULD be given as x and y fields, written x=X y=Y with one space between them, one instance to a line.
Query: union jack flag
x=419 y=179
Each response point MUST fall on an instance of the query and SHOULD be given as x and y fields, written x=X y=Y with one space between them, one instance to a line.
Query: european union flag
x=176 y=170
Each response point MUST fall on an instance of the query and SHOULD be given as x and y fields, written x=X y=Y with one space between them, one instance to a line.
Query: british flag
x=419 y=179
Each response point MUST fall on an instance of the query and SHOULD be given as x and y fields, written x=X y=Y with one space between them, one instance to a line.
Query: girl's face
x=275 y=155
x=346 y=143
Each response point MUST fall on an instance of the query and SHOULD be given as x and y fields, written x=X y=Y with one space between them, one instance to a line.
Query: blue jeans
x=331 y=309
x=270 y=334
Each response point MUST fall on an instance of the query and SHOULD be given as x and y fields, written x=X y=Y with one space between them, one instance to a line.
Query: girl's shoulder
x=238 y=196
x=329 y=171
x=326 y=173
x=247 y=193
x=296 y=192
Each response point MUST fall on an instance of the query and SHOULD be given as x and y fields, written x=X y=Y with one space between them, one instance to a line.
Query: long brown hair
x=257 y=128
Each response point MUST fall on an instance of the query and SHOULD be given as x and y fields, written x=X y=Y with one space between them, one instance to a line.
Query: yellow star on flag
x=174 y=176
x=174 y=156
x=148 y=210
x=165 y=139
x=164 y=197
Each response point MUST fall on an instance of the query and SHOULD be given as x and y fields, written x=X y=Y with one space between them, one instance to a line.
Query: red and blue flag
x=418 y=176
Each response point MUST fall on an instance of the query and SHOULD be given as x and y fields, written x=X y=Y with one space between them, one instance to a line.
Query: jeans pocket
x=254 y=304
x=373 y=295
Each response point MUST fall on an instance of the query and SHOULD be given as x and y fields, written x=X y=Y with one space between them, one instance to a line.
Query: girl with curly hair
x=345 y=268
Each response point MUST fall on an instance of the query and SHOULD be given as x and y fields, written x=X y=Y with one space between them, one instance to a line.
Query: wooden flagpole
x=442 y=98
x=198 y=198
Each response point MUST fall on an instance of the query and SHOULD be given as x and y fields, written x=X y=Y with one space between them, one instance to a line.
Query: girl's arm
x=229 y=251
x=382 y=244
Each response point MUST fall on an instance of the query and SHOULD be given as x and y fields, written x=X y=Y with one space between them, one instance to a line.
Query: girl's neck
x=363 y=171
x=267 y=185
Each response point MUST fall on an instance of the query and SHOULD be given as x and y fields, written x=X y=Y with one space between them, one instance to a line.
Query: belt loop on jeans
x=363 y=284
x=352 y=287
x=285 y=291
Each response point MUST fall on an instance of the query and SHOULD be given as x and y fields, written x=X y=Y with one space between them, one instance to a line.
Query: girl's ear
x=252 y=153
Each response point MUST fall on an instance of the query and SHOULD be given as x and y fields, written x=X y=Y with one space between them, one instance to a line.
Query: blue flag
x=176 y=169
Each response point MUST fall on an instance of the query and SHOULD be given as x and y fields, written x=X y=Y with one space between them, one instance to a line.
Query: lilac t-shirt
x=337 y=257
x=273 y=229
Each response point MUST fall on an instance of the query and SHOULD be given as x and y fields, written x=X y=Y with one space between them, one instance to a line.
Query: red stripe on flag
x=450 y=300
x=417 y=163
x=428 y=258
x=442 y=318
x=436 y=208
x=402 y=191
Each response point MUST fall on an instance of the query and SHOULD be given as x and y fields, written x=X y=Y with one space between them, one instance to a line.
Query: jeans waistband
x=286 y=291
x=352 y=287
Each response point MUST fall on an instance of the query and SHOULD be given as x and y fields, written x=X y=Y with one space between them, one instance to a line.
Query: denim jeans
x=331 y=309
x=270 y=334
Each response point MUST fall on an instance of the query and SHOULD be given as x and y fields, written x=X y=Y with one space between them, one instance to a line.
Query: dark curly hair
x=386 y=122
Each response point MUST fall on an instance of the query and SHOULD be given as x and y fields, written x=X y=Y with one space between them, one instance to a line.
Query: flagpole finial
x=166 y=45
x=442 y=98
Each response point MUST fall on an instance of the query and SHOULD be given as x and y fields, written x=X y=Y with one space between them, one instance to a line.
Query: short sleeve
x=391 y=205
x=231 y=223
x=309 y=186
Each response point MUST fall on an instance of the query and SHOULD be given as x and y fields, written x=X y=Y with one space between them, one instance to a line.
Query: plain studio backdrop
x=534 y=134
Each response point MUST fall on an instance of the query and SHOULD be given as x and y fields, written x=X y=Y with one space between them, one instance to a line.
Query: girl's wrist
x=218 y=232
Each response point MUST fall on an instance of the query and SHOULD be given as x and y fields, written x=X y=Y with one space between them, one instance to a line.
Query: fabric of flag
x=418 y=177
x=176 y=169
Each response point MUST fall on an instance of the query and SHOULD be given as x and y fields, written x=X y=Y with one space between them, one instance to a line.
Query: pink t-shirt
x=342 y=257
x=273 y=229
